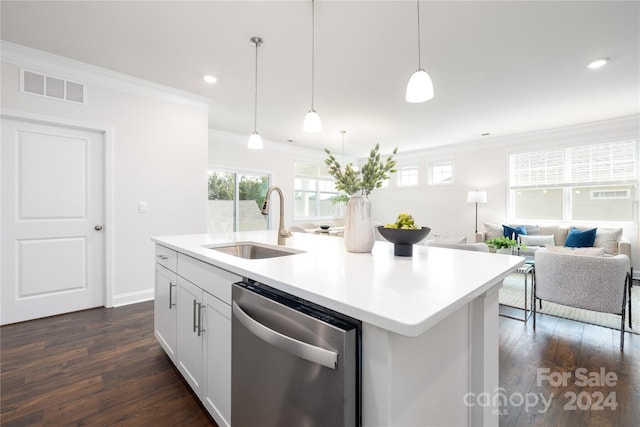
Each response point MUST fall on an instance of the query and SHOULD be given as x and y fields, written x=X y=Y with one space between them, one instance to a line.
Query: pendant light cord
x=418 y=15
x=255 y=103
x=313 y=48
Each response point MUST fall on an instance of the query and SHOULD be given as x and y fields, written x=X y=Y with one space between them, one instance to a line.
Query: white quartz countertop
x=405 y=295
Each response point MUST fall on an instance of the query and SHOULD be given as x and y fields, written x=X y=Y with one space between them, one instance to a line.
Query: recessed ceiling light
x=597 y=63
x=210 y=79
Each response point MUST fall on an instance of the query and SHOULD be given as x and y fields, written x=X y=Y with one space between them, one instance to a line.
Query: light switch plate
x=143 y=207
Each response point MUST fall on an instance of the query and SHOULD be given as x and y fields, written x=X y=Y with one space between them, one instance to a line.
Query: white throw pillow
x=575 y=251
x=525 y=239
x=608 y=239
x=445 y=239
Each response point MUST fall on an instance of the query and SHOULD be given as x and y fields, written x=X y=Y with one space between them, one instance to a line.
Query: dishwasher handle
x=298 y=348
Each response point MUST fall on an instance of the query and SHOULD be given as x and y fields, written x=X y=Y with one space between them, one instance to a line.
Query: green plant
x=370 y=176
x=340 y=198
x=504 y=242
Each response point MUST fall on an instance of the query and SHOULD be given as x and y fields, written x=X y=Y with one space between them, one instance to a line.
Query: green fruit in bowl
x=404 y=222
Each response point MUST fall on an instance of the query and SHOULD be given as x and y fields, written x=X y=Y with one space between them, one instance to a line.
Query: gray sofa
x=608 y=238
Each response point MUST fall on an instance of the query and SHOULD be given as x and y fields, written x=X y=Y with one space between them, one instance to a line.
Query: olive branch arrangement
x=371 y=176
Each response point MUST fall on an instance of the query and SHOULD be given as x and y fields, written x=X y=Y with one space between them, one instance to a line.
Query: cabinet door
x=189 y=340
x=216 y=386
x=165 y=310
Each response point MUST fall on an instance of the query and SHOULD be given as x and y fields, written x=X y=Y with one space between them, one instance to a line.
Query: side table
x=529 y=271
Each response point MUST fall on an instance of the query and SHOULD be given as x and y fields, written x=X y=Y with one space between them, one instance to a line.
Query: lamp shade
x=312 y=122
x=477 y=197
x=255 y=141
x=420 y=87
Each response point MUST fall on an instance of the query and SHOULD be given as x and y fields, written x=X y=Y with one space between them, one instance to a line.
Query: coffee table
x=529 y=271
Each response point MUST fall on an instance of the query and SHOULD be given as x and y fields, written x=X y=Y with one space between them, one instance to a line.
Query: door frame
x=107 y=134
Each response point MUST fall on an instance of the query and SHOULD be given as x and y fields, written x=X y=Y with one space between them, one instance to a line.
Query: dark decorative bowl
x=403 y=240
x=325 y=227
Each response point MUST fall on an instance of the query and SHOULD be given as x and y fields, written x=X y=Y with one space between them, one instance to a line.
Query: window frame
x=407 y=166
x=236 y=200
x=338 y=208
x=432 y=164
x=566 y=182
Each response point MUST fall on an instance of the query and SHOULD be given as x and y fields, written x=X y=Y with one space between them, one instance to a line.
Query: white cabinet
x=165 y=309
x=216 y=382
x=190 y=333
x=201 y=322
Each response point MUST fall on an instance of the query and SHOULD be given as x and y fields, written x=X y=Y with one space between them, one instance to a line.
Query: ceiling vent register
x=52 y=87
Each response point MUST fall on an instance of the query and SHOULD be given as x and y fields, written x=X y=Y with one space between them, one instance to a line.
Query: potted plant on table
x=504 y=245
x=359 y=233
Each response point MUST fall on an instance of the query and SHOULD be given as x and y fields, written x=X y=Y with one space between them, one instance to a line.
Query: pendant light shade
x=312 y=122
x=420 y=87
x=255 y=141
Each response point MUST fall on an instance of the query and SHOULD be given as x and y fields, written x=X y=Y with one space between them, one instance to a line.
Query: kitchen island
x=429 y=322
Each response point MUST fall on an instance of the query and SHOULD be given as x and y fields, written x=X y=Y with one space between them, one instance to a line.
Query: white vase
x=505 y=251
x=359 y=233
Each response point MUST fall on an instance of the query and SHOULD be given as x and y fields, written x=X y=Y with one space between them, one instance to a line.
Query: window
x=408 y=176
x=314 y=192
x=594 y=182
x=441 y=172
x=235 y=200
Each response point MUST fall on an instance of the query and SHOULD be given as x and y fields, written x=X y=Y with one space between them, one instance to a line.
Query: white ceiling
x=502 y=67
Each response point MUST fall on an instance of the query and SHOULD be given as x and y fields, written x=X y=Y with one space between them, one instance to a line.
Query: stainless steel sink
x=252 y=250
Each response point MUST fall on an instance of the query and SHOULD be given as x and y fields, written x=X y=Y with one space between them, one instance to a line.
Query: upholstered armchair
x=586 y=282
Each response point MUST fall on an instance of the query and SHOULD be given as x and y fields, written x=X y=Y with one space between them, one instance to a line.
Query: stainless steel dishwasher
x=293 y=363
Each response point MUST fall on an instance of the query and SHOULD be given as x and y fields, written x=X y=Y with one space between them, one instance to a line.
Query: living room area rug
x=512 y=295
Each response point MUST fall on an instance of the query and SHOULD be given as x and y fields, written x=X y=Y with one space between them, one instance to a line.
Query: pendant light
x=255 y=141
x=312 y=119
x=420 y=87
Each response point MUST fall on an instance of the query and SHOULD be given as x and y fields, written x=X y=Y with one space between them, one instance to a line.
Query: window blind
x=604 y=163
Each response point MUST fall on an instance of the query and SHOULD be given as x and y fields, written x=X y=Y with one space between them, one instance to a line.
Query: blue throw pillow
x=513 y=232
x=580 y=239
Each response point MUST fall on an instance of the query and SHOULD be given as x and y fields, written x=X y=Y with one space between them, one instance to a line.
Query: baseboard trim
x=132 y=297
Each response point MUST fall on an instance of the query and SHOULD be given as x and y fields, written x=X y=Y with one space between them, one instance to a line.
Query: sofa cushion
x=580 y=239
x=608 y=239
x=575 y=251
x=493 y=230
x=532 y=241
x=559 y=233
x=513 y=231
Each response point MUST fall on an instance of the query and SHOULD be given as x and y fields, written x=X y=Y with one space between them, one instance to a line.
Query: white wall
x=158 y=155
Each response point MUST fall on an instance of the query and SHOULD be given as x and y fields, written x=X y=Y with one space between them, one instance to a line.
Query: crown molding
x=626 y=127
x=51 y=64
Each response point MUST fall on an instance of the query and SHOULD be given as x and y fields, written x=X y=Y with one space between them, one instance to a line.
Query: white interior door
x=52 y=211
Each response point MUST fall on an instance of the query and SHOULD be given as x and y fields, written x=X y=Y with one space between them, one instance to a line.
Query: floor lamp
x=477 y=197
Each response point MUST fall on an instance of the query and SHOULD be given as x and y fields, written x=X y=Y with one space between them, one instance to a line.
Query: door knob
x=98 y=227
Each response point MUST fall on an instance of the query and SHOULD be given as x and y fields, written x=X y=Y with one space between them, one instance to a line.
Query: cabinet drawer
x=213 y=280
x=167 y=258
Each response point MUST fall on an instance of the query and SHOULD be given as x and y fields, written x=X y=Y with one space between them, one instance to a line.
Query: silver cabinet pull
x=200 y=330
x=171 y=303
x=301 y=349
x=162 y=257
x=194 y=315
x=97 y=227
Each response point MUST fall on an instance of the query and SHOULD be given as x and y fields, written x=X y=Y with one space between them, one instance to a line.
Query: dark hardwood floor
x=100 y=367
x=103 y=367
x=577 y=367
